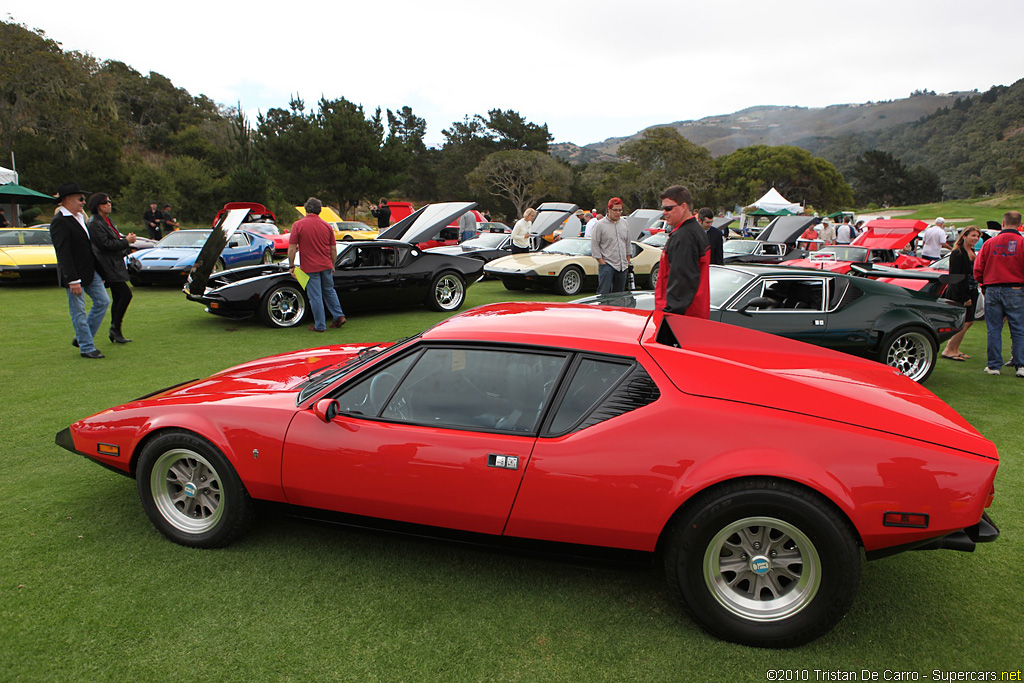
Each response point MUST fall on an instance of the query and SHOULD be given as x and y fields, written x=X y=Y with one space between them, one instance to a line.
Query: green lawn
x=963 y=211
x=90 y=591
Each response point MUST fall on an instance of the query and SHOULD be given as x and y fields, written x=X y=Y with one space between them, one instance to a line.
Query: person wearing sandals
x=109 y=248
x=965 y=292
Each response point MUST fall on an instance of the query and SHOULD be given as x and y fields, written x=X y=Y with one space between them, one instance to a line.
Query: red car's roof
x=889 y=233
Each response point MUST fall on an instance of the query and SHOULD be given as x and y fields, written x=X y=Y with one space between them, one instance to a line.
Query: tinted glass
x=476 y=389
x=185 y=238
x=724 y=283
x=592 y=380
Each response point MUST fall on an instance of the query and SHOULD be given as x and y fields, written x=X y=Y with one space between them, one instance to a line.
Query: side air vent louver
x=636 y=391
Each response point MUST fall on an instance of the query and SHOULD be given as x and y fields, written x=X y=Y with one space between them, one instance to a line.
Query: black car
x=855 y=315
x=381 y=273
x=485 y=247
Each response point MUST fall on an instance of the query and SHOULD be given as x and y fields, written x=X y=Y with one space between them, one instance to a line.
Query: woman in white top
x=521 y=232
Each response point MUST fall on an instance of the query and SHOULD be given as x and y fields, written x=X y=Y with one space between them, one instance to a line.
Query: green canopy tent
x=13 y=194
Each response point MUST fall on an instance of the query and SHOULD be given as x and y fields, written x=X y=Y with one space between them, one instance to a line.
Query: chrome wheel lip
x=187 y=491
x=286 y=307
x=572 y=281
x=737 y=571
x=910 y=353
x=449 y=292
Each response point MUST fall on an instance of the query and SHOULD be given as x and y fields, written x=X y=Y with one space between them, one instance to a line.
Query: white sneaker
x=1020 y=371
x=990 y=371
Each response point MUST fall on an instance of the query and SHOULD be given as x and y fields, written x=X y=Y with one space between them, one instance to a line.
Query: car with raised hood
x=256 y=213
x=272 y=233
x=388 y=272
x=855 y=315
x=27 y=255
x=573 y=429
x=175 y=256
x=880 y=243
x=485 y=247
x=569 y=267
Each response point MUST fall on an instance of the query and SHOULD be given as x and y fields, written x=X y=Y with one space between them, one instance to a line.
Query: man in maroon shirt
x=683 y=286
x=314 y=239
x=999 y=270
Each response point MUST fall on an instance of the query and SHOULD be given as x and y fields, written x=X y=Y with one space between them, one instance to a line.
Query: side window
x=591 y=382
x=463 y=388
x=367 y=396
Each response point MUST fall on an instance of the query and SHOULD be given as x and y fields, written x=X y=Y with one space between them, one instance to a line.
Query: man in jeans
x=314 y=239
x=609 y=244
x=76 y=268
x=999 y=270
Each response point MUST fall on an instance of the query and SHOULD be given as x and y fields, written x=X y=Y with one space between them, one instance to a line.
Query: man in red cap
x=683 y=286
x=609 y=244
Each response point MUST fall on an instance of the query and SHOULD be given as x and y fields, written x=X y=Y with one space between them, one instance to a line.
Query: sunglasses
x=668 y=207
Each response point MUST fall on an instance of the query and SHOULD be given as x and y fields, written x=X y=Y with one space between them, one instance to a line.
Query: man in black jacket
x=706 y=218
x=76 y=268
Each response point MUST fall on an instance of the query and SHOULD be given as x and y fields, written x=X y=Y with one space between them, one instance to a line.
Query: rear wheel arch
x=713 y=489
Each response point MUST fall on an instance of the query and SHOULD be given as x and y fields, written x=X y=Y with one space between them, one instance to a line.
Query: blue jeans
x=610 y=280
x=1008 y=302
x=320 y=290
x=86 y=326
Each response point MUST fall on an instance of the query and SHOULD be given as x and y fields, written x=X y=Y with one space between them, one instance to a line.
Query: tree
x=406 y=150
x=522 y=177
x=663 y=157
x=749 y=172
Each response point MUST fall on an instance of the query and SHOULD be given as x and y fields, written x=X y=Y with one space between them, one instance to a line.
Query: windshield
x=352 y=225
x=261 y=228
x=724 y=282
x=658 y=239
x=185 y=238
x=569 y=247
x=25 y=238
x=740 y=247
x=487 y=240
x=857 y=254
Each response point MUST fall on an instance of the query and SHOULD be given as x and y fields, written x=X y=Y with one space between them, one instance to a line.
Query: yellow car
x=27 y=254
x=344 y=231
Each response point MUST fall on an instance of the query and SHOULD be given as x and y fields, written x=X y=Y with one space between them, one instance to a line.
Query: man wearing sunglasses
x=682 y=286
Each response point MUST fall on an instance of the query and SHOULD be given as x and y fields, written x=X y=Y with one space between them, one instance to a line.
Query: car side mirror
x=326 y=409
x=758 y=302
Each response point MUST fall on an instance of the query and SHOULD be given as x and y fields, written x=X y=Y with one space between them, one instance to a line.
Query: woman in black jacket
x=109 y=247
x=961 y=262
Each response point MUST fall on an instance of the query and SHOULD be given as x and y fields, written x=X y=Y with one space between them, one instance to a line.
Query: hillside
x=779 y=125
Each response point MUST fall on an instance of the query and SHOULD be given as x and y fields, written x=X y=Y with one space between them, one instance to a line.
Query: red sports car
x=879 y=244
x=582 y=428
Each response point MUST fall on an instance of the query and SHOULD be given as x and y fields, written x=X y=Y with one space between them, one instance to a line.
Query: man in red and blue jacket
x=999 y=270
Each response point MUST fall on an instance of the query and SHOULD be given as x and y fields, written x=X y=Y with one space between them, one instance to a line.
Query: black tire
x=346 y=238
x=569 y=281
x=447 y=292
x=652 y=278
x=218 y=266
x=283 y=306
x=911 y=350
x=763 y=562
x=513 y=286
x=268 y=256
x=191 y=492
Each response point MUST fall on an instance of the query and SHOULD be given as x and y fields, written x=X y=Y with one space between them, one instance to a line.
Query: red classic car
x=601 y=428
x=879 y=244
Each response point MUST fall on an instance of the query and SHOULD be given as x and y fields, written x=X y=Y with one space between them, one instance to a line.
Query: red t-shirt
x=314 y=238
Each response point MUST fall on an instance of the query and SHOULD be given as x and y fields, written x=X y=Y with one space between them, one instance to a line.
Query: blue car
x=171 y=260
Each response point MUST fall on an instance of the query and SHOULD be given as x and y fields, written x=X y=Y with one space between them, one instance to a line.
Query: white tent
x=7 y=176
x=774 y=202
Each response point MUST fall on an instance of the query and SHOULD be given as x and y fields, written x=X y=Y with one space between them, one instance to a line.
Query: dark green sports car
x=857 y=315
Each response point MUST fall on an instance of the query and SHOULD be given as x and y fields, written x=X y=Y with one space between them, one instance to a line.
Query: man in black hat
x=76 y=268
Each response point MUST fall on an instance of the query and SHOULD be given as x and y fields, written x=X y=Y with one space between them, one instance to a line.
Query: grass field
x=962 y=211
x=90 y=591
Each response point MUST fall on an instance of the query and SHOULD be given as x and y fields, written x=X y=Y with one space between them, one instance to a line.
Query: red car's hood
x=280 y=373
x=894 y=233
x=753 y=367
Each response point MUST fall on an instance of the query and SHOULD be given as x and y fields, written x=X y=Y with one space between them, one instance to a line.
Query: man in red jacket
x=999 y=270
x=683 y=286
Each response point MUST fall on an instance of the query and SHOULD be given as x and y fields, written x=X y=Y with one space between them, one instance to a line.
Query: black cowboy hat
x=67 y=189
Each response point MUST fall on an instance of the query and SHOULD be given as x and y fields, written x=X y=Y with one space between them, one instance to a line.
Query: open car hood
x=889 y=233
x=426 y=222
x=214 y=245
x=552 y=214
x=786 y=229
x=642 y=219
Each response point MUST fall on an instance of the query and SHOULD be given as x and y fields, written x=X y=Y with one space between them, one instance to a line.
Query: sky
x=590 y=69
